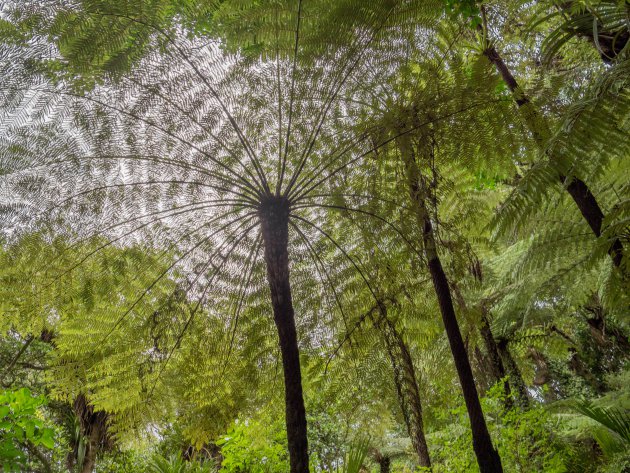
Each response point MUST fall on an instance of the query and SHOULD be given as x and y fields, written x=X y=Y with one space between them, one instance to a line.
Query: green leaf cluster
x=21 y=425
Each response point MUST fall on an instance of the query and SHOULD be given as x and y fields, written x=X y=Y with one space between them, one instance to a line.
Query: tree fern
x=180 y=152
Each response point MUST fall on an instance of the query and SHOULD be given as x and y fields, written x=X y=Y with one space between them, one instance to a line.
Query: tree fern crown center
x=273 y=212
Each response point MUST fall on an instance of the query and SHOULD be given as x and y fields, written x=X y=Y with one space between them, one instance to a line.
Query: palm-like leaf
x=614 y=419
x=356 y=455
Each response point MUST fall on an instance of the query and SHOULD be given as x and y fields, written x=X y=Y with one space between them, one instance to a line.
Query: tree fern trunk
x=89 y=461
x=498 y=370
x=592 y=213
x=516 y=378
x=94 y=429
x=406 y=387
x=578 y=189
x=274 y=218
x=487 y=457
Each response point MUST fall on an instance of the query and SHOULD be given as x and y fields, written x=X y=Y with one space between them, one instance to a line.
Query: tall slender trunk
x=406 y=387
x=535 y=122
x=487 y=457
x=498 y=370
x=516 y=378
x=274 y=219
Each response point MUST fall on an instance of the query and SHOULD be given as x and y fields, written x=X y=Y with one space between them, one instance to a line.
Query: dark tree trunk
x=578 y=189
x=516 y=378
x=384 y=464
x=94 y=427
x=91 y=449
x=406 y=387
x=487 y=457
x=498 y=370
x=274 y=219
x=592 y=213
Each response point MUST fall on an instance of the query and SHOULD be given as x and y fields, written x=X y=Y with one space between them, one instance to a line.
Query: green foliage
x=127 y=461
x=615 y=420
x=527 y=441
x=468 y=9
x=256 y=446
x=603 y=21
x=174 y=464
x=99 y=40
x=21 y=427
x=139 y=141
x=355 y=457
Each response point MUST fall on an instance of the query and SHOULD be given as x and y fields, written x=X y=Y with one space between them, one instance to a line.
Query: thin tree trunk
x=406 y=387
x=498 y=370
x=516 y=378
x=274 y=218
x=535 y=122
x=487 y=457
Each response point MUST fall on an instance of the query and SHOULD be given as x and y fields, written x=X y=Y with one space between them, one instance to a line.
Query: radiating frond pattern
x=181 y=153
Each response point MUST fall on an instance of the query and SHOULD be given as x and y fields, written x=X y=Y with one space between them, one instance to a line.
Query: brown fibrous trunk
x=274 y=220
x=487 y=457
x=94 y=426
x=406 y=386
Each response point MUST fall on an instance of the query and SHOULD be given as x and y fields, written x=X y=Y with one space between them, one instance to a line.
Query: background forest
x=342 y=236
